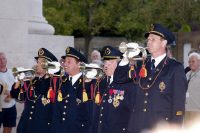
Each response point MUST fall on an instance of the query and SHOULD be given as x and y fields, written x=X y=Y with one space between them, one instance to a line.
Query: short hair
x=193 y=51
x=96 y=52
x=195 y=55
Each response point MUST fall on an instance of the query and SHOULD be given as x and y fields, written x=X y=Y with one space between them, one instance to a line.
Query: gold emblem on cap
x=162 y=86
x=68 y=50
x=152 y=27
x=107 y=51
x=41 y=52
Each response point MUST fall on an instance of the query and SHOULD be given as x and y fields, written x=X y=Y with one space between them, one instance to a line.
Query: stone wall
x=24 y=30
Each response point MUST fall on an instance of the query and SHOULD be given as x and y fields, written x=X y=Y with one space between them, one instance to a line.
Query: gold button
x=146 y=94
x=30 y=118
x=145 y=101
x=103 y=101
x=145 y=110
x=31 y=112
x=65 y=107
x=33 y=107
x=63 y=119
x=101 y=108
x=82 y=125
x=64 y=113
x=150 y=78
x=100 y=121
x=101 y=114
x=48 y=123
x=148 y=86
x=124 y=129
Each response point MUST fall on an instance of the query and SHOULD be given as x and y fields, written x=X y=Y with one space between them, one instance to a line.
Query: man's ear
x=164 y=43
x=78 y=63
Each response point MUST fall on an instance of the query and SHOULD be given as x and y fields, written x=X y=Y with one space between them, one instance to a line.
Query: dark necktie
x=70 y=80
x=108 y=79
x=152 y=67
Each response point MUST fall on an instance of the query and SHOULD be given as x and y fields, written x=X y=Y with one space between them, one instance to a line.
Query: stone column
x=37 y=24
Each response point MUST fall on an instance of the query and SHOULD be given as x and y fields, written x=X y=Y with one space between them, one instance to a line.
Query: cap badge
x=151 y=27
x=107 y=51
x=67 y=50
x=41 y=52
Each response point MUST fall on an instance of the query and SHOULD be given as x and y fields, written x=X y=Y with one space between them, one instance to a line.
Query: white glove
x=124 y=60
x=21 y=76
x=91 y=74
x=16 y=79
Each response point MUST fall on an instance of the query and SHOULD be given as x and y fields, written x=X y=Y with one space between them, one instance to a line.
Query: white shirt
x=158 y=59
x=7 y=80
x=75 y=77
x=111 y=79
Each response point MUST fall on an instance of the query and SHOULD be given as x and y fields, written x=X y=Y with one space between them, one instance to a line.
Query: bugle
x=91 y=71
x=23 y=74
x=132 y=50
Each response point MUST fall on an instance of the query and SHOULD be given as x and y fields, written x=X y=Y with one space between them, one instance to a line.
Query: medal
x=110 y=95
x=118 y=96
x=78 y=101
x=162 y=86
x=110 y=99
x=121 y=97
x=116 y=103
x=45 y=101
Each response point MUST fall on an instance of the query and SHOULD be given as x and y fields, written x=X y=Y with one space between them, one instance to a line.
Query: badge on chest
x=115 y=96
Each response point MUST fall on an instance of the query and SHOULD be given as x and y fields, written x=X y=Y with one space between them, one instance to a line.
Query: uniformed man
x=72 y=105
x=37 y=113
x=161 y=93
x=113 y=100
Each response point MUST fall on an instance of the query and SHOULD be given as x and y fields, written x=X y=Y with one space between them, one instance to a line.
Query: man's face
x=95 y=56
x=155 y=43
x=71 y=66
x=3 y=61
x=194 y=63
x=110 y=66
x=40 y=70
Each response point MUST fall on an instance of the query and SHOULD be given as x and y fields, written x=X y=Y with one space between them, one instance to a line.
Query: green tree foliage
x=127 y=18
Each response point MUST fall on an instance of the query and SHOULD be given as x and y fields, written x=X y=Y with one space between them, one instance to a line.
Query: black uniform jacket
x=113 y=113
x=37 y=113
x=71 y=114
x=160 y=96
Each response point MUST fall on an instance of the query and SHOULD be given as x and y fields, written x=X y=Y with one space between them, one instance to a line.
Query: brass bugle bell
x=52 y=67
x=23 y=74
x=91 y=71
x=132 y=50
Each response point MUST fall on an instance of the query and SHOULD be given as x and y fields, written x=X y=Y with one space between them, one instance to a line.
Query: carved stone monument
x=23 y=30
